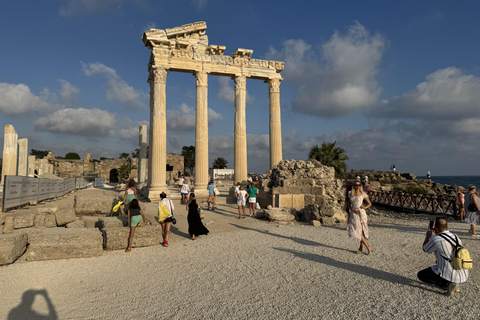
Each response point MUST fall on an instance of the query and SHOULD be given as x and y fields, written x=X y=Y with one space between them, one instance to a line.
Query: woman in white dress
x=472 y=217
x=357 y=218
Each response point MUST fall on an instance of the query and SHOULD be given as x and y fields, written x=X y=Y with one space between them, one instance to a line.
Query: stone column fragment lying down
x=9 y=162
x=22 y=157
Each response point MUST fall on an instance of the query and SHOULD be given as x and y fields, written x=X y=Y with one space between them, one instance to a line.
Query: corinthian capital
x=158 y=75
x=240 y=82
x=202 y=78
x=274 y=84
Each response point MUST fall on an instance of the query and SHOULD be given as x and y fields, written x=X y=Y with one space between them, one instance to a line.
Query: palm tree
x=219 y=163
x=330 y=155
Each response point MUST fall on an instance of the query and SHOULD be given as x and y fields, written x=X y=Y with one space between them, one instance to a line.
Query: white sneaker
x=452 y=287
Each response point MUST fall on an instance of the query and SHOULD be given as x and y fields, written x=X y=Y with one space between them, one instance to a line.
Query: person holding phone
x=357 y=217
x=439 y=240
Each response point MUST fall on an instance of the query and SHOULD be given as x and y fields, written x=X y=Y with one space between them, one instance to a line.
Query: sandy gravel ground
x=248 y=269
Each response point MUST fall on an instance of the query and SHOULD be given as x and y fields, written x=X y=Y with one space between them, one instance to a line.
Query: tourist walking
x=241 y=201
x=472 y=214
x=252 y=199
x=440 y=241
x=135 y=216
x=195 y=225
x=184 y=190
x=211 y=195
x=130 y=192
x=166 y=224
x=357 y=217
x=180 y=182
x=460 y=201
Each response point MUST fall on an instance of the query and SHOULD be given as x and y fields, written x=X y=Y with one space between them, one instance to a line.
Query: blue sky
x=391 y=82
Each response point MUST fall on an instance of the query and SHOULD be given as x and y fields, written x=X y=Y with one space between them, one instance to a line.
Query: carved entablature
x=186 y=49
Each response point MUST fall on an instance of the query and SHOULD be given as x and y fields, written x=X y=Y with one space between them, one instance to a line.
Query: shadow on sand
x=24 y=309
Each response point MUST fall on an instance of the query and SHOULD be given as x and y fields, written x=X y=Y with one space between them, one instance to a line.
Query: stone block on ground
x=94 y=203
x=340 y=216
x=90 y=222
x=12 y=246
x=64 y=216
x=76 y=224
x=316 y=223
x=328 y=221
x=2 y=216
x=112 y=222
x=63 y=243
x=45 y=210
x=39 y=220
x=280 y=215
x=117 y=238
x=23 y=220
x=8 y=225
x=50 y=221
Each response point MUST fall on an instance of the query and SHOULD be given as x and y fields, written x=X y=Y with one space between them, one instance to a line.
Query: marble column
x=275 y=122
x=22 y=157
x=240 y=132
x=142 y=154
x=31 y=166
x=201 y=133
x=158 y=125
x=10 y=147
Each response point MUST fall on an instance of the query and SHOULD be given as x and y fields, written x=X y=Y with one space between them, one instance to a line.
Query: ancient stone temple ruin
x=186 y=49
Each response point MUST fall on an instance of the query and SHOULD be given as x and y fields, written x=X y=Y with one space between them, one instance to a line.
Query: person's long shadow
x=176 y=231
x=362 y=270
x=301 y=241
x=24 y=309
x=401 y=228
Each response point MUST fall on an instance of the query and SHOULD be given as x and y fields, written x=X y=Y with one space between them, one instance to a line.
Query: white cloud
x=69 y=92
x=183 y=119
x=227 y=93
x=445 y=94
x=117 y=89
x=16 y=99
x=81 y=7
x=81 y=122
x=339 y=82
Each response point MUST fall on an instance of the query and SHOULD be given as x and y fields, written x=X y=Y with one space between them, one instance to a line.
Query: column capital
x=158 y=75
x=274 y=84
x=202 y=78
x=240 y=82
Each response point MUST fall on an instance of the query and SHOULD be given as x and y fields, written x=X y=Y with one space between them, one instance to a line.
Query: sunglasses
x=357 y=185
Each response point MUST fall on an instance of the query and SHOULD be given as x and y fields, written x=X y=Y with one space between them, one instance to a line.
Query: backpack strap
x=171 y=206
x=449 y=240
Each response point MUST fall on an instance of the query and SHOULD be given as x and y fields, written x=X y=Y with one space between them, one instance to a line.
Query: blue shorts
x=184 y=194
x=134 y=220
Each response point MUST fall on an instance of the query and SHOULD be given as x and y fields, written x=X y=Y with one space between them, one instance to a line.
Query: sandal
x=128 y=249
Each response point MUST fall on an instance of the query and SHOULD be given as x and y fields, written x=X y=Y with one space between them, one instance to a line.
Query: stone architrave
x=142 y=154
x=240 y=137
x=186 y=49
x=201 y=134
x=275 y=122
x=158 y=124
x=9 y=162
x=22 y=157
x=31 y=166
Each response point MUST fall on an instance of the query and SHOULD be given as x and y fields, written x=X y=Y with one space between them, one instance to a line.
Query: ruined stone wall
x=297 y=184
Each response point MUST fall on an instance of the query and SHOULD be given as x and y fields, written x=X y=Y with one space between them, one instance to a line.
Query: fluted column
x=142 y=154
x=10 y=147
x=275 y=122
x=240 y=138
x=158 y=125
x=201 y=132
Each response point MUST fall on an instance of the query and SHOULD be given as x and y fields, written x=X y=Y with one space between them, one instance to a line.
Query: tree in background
x=188 y=154
x=125 y=169
x=219 y=163
x=124 y=155
x=135 y=153
x=39 y=154
x=72 y=156
x=330 y=155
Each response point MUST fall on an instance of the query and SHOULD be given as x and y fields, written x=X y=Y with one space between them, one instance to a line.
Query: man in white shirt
x=442 y=274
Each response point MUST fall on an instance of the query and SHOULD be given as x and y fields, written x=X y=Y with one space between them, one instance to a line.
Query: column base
x=154 y=192
x=201 y=193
